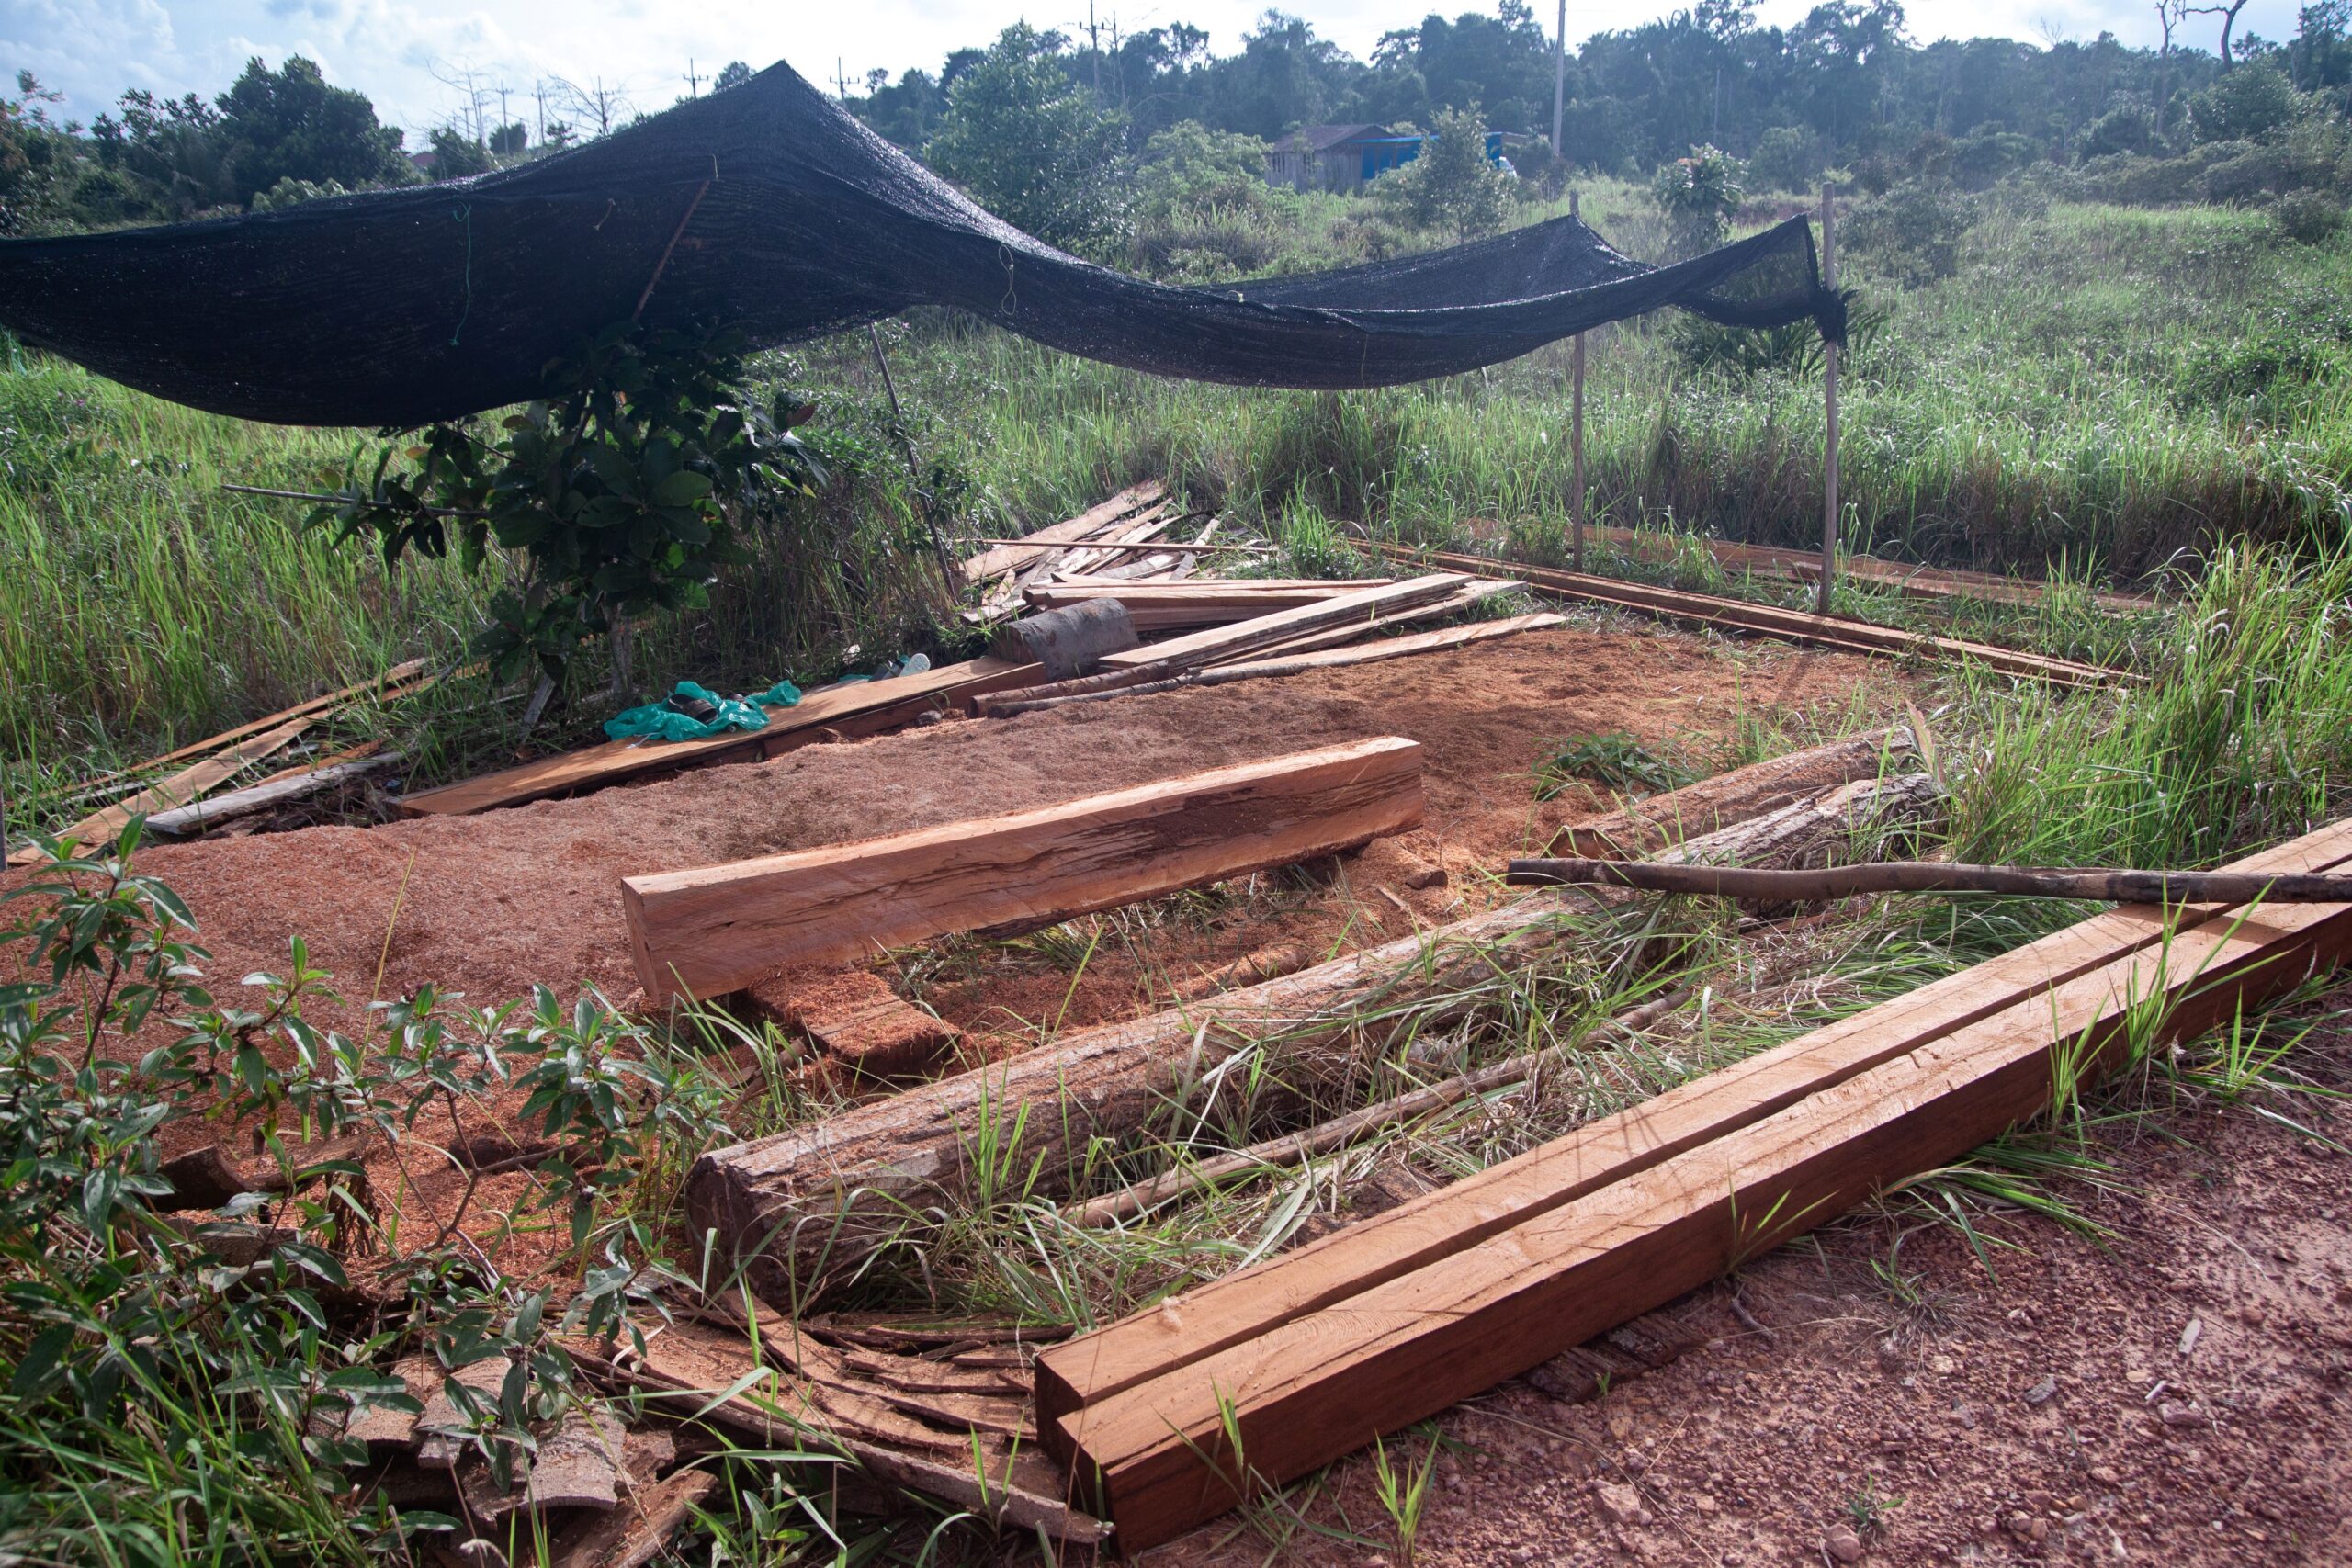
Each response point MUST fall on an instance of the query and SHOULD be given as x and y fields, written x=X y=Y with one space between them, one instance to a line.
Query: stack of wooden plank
x=1111 y=542
x=167 y=788
x=1177 y=1414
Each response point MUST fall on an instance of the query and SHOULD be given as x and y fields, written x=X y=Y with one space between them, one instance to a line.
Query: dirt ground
x=2175 y=1393
x=489 y=904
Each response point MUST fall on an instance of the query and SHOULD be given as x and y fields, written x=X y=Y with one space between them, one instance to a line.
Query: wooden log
x=1248 y=1307
x=848 y=711
x=2107 y=887
x=1644 y=825
x=811 y=1202
x=1791 y=626
x=1293 y=1148
x=202 y=814
x=719 y=929
x=99 y=828
x=1301 y=664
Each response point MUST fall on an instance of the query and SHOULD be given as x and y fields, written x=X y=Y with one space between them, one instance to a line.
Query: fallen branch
x=1932 y=877
x=1293 y=1148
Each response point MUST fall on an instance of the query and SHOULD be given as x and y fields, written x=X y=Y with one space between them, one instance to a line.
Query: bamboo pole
x=2107 y=885
x=1829 y=406
x=1575 y=422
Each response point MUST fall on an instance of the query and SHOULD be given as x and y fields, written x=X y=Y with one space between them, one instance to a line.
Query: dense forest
x=1844 y=91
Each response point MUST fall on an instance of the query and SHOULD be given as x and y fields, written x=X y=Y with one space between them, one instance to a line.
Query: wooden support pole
x=1830 y=408
x=2101 y=885
x=914 y=469
x=1575 y=425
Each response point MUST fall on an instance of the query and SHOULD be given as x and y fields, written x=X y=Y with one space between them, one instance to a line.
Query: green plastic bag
x=666 y=723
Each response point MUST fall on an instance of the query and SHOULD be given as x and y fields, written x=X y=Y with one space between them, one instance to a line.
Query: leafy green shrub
x=2253 y=103
x=1698 y=193
x=1451 y=188
x=1912 y=233
x=291 y=192
x=214 y=1360
x=1787 y=157
x=2264 y=374
x=1793 y=350
x=2308 y=217
x=1202 y=211
x=2125 y=129
x=629 y=491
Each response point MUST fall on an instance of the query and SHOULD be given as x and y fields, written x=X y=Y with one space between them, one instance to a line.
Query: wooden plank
x=1470 y=595
x=1794 y=625
x=100 y=828
x=848 y=711
x=1913 y=581
x=397 y=676
x=719 y=929
x=1240 y=1307
x=1282 y=626
x=811 y=1201
x=1003 y=558
x=1322 y=1384
x=1444 y=639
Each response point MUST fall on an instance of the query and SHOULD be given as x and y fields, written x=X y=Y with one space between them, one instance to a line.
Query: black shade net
x=770 y=210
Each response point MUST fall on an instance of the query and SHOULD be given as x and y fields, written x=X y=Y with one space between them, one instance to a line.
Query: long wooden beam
x=1639 y=1211
x=1765 y=620
x=997 y=562
x=95 y=831
x=721 y=927
x=845 y=712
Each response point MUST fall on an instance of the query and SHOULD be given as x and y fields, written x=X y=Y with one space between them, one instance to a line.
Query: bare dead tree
x=2228 y=12
x=599 y=100
x=2169 y=15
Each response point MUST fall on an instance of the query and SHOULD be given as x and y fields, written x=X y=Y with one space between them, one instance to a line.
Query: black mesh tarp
x=769 y=208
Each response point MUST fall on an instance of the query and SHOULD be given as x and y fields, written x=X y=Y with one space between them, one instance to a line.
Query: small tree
x=1029 y=144
x=629 y=491
x=1453 y=186
x=509 y=141
x=290 y=122
x=1698 y=195
x=456 y=156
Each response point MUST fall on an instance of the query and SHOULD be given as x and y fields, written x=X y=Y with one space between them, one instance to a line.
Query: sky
x=405 y=53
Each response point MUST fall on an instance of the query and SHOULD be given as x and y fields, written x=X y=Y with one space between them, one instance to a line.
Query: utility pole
x=693 y=83
x=841 y=80
x=1095 y=42
x=1560 y=82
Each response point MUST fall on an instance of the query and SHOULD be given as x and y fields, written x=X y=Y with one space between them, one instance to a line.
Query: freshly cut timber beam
x=846 y=712
x=721 y=927
x=99 y=828
x=997 y=562
x=1793 y=625
x=1300 y=664
x=1242 y=1306
x=1497 y=1301
x=1700 y=807
x=1194 y=602
x=1472 y=593
x=813 y=1201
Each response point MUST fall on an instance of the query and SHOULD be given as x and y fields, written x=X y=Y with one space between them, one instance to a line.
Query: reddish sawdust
x=2174 y=1392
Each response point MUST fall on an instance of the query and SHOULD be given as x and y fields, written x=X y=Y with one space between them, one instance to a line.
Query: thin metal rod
x=2102 y=885
x=1830 y=408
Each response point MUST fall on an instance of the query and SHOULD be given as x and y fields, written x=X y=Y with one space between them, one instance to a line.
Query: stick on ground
x=2109 y=887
